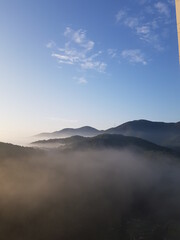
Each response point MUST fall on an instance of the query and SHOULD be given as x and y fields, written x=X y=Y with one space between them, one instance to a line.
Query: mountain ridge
x=67 y=132
x=161 y=133
x=104 y=141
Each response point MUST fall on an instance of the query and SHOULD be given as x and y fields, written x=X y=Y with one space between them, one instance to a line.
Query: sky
x=70 y=63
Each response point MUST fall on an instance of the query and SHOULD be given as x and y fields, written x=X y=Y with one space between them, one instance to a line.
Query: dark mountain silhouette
x=161 y=133
x=68 y=132
x=8 y=150
x=104 y=141
x=165 y=134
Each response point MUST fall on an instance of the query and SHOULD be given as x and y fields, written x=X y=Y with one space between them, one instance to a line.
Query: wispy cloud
x=150 y=23
x=96 y=65
x=112 y=52
x=144 y=30
x=51 y=44
x=79 y=37
x=134 y=56
x=131 y=22
x=120 y=15
x=79 y=51
x=162 y=8
x=81 y=80
x=146 y=34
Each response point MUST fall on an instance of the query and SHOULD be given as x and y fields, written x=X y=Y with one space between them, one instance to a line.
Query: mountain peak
x=85 y=131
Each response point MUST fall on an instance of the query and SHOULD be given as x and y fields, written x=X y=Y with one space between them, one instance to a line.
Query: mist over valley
x=108 y=186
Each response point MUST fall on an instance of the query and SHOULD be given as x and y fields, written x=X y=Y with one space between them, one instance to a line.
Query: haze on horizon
x=77 y=63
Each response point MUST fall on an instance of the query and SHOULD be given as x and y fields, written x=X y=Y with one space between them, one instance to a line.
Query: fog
x=86 y=195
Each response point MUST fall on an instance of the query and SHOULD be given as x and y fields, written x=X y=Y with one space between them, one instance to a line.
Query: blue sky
x=69 y=63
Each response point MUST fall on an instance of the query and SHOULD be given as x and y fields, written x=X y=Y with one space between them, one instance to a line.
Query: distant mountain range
x=154 y=136
x=69 y=132
x=104 y=141
x=165 y=134
x=79 y=143
x=161 y=133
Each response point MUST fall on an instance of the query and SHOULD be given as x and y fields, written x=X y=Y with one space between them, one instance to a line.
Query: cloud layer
x=149 y=23
x=134 y=56
x=79 y=51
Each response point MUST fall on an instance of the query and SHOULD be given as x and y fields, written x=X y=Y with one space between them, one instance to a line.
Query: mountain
x=164 y=134
x=8 y=150
x=161 y=133
x=104 y=141
x=68 y=132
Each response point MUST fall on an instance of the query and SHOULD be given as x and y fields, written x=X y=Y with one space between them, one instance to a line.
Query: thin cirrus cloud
x=143 y=30
x=79 y=37
x=79 y=51
x=120 y=15
x=51 y=44
x=112 y=52
x=162 y=8
x=150 y=23
x=81 y=80
x=134 y=56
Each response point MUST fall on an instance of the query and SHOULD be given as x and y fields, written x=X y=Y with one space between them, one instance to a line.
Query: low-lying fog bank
x=105 y=194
